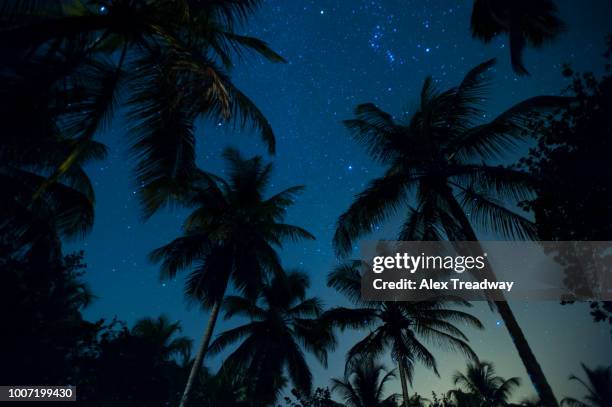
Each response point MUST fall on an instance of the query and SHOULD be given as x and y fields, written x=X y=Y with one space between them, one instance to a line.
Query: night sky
x=342 y=53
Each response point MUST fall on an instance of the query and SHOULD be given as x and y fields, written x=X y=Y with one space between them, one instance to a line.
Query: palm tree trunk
x=197 y=363
x=534 y=370
x=400 y=364
x=529 y=360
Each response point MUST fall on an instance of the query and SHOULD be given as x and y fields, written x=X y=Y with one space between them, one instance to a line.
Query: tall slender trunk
x=529 y=360
x=197 y=363
x=534 y=370
x=402 y=370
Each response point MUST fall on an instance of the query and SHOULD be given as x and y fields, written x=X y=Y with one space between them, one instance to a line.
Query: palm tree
x=168 y=62
x=230 y=236
x=34 y=145
x=283 y=326
x=224 y=388
x=160 y=336
x=481 y=387
x=525 y=21
x=438 y=157
x=363 y=384
x=598 y=386
x=402 y=327
x=64 y=210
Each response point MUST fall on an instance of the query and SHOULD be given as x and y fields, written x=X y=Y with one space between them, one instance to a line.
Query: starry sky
x=341 y=53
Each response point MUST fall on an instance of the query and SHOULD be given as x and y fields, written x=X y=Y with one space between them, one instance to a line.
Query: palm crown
x=166 y=61
x=438 y=156
x=232 y=233
x=283 y=324
x=404 y=328
x=482 y=387
x=364 y=384
x=160 y=336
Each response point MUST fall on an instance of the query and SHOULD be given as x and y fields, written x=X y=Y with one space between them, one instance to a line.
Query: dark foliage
x=46 y=340
x=68 y=65
x=136 y=367
x=283 y=328
x=572 y=164
x=319 y=398
x=526 y=22
x=597 y=385
x=44 y=333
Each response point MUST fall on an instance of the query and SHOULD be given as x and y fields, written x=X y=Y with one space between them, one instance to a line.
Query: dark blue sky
x=342 y=53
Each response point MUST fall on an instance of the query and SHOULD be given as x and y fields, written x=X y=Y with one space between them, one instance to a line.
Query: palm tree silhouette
x=402 y=327
x=598 y=386
x=532 y=22
x=224 y=388
x=363 y=384
x=167 y=62
x=283 y=325
x=230 y=236
x=160 y=336
x=65 y=209
x=438 y=158
x=480 y=386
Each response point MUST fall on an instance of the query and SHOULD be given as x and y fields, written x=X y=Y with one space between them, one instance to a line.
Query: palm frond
x=179 y=254
x=230 y=337
x=308 y=308
x=239 y=43
x=298 y=368
x=380 y=200
x=163 y=139
x=475 y=86
x=483 y=23
x=506 y=184
x=353 y=318
x=506 y=131
x=230 y=12
x=491 y=214
x=377 y=131
x=346 y=279
x=234 y=305
x=244 y=112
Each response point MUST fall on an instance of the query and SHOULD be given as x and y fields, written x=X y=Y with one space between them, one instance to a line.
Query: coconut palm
x=168 y=62
x=364 y=384
x=160 y=337
x=404 y=328
x=224 y=388
x=283 y=327
x=64 y=210
x=598 y=385
x=437 y=158
x=481 y=387
x=230 y=237
x=34 y=145
x=532 y=22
